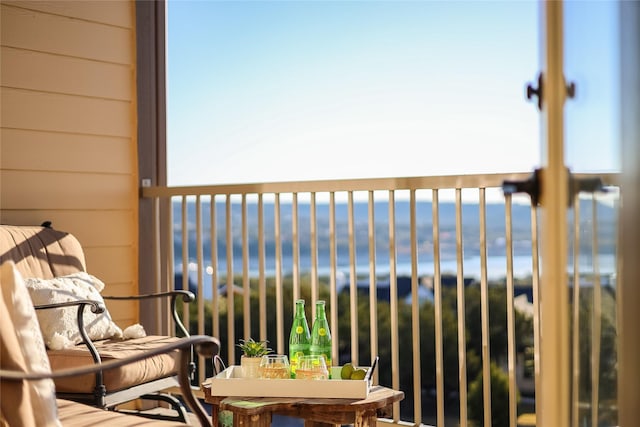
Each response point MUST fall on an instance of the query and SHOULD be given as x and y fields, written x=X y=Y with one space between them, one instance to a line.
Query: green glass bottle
x=299 y=338
x=321 y=335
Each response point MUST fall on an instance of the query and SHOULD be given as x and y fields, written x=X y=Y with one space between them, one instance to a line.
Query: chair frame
x=105 y=399
x=205 y=346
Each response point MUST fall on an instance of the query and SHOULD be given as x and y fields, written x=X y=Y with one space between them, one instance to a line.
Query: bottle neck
x=299 y=309
x=320 y=314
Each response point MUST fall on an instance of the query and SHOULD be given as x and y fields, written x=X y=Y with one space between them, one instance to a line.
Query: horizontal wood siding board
x=36 y=217
x=121 y=312
x=97 y=227
x=62 y=151
x=112 y=264
x=25 y=69
x=43 y=32
x=118 y=289
x=58 y=190
x=109 y=12
x=22 y=109
x=106 y=228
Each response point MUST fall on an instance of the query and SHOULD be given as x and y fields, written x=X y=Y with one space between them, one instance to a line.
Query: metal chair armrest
x=187 y=296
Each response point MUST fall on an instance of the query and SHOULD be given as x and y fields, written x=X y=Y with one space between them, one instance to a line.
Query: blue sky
x=295 y=90
x=591 y=61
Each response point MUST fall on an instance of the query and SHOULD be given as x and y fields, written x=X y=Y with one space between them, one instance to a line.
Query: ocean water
x=496 y=269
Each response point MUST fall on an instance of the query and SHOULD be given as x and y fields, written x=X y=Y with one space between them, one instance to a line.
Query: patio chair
x=28 y=394
x=52 y=264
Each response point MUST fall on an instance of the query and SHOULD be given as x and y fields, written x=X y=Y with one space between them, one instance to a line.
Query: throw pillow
x=28 y=403
x=59 y=325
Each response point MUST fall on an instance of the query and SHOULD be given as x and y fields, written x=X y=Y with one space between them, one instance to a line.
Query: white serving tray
x=230 y=383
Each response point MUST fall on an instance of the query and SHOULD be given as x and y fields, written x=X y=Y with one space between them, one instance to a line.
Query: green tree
x=450 y=305
x=498 y=334
x=499 y=398
x=607 y=368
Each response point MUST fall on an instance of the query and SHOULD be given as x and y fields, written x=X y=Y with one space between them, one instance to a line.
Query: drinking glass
x=274 y=366
x=312 y=368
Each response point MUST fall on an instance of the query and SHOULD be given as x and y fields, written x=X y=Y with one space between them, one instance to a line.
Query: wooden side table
x=258 y=411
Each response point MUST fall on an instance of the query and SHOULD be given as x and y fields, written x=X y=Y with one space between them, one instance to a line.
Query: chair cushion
x=73 y=414
x=26 y=403
x=162 y=366
x=40 y=251
x=62 y=322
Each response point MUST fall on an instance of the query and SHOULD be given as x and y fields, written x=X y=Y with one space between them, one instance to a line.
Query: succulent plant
x=252 y=348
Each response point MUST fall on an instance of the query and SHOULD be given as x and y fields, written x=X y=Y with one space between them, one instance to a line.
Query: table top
x=378 y=397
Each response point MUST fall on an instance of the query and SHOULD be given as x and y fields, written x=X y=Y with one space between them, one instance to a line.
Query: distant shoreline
x=496 y=269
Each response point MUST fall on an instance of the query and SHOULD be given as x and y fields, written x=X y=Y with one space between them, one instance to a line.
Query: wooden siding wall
x=68 y=130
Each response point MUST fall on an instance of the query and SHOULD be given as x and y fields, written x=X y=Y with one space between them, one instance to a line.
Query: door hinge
x=536 y=91
x=533 y=91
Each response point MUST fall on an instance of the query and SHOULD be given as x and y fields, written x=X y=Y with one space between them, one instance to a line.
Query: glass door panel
x=592 y=63
x=592 y=145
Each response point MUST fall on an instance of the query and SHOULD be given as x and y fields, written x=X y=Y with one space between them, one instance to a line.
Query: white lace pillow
x=59 y=325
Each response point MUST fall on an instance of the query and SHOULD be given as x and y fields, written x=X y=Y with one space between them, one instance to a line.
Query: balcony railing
x=437 y=275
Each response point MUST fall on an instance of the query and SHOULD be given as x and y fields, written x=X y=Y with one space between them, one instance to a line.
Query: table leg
x=366 y=419
x=214 y=415
x=310 y=423
x=260 y=420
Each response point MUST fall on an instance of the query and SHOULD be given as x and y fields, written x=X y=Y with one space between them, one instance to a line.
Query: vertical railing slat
x=279 y=294
x=437 y=300
x=484 y=310
x=575 y=374
x=511 y=334
x=535 y=279
x=295 y=240
x=333 y=298
x=215 y=312
x=262 y=281
x=415 y=312
x=157 y=263
x=313 y=246
x=460 y=288
x=185 y=260
x=246 y=290
x=373 y=300
x=200 y=282
x=393 y=302
x=596 y=316
x=231 y=334
x=170 y=268
x=353 y=281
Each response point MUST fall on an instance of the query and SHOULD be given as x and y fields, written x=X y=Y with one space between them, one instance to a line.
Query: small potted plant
x=252 y=354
